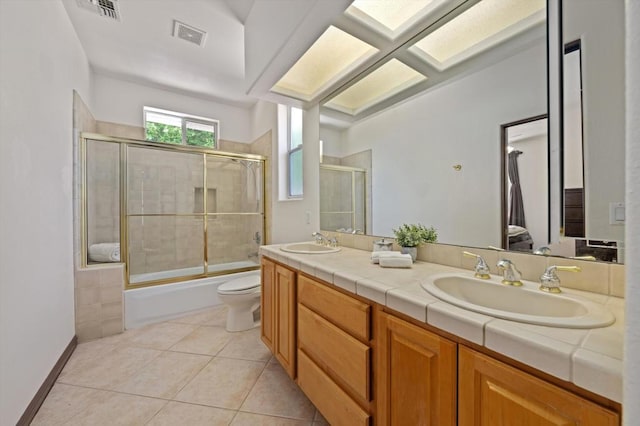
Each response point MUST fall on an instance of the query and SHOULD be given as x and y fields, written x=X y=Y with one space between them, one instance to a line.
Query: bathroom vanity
x=364 y=352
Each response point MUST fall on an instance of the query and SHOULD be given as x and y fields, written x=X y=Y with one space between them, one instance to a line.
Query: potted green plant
x=410 y=236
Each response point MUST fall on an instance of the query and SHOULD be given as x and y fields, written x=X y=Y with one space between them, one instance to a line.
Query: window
x=294 y=151
x=180 y=129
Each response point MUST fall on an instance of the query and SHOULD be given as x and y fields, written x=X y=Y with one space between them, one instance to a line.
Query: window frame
x=292 y=151
x=184 y=119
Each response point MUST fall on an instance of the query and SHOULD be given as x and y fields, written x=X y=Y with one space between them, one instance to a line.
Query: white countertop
x=589 y=358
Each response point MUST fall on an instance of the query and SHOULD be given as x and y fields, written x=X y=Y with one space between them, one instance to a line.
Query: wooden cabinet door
x=416 y=375
x=267 y=301
x=285 y=318
x=492 y=393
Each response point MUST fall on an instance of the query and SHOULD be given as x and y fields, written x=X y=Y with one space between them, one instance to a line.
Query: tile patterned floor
x=187 y=371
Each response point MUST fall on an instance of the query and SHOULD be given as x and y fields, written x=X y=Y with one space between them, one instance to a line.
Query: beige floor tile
x=204 y=316
x=204 y=340
x=109 y=370
x=218 y=317
x=246 y=345
x=224 y=383
x=276 y=394
x=178 y=413
x=160 y=336
x=64 y=402
x=165 y=375
x=118 y=409
x=250 y=419
x=85 y=355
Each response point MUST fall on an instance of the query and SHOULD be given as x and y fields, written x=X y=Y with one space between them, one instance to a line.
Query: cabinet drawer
x=334 y=404
x=344 y=357
x=346 y=312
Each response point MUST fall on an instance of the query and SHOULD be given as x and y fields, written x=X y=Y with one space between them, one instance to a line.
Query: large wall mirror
x=592 y=137
x=438 y=157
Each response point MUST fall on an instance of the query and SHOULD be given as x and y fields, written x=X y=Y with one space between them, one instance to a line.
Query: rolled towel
x=402 y=261
x=376 y=255
x=104 y=252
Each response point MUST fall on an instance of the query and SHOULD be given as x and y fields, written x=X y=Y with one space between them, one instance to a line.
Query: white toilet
x=242 y=296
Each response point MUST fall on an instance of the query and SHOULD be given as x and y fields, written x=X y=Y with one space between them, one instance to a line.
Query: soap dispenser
x=382 y=245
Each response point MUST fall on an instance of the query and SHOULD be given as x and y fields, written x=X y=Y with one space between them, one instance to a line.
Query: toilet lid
x=239 y=284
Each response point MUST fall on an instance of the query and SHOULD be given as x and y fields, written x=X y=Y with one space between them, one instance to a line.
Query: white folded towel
x=377 y=255
x=402 y=261
x=104 y=252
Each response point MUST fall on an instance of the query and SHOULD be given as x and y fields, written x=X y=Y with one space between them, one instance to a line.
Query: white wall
x=264 y=116
x=120 y=101
x=415 y=145
x=332 y=145
x=40 y=65
x=632 y=326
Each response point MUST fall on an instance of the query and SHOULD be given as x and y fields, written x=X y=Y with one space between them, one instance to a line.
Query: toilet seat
x=244 y=285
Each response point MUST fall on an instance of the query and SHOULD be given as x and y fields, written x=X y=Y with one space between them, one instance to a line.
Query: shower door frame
x=124 y=215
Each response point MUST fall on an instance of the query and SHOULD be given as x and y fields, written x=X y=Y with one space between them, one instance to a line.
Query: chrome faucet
x=320 y=239
x=550 y=282
x=481 y=268
x=510 y=274
x=544 y=251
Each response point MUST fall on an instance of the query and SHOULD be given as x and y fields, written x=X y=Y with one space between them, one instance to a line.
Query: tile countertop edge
x=592 y=370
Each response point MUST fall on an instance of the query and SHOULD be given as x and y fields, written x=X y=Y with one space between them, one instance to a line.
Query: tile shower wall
x=99 y=302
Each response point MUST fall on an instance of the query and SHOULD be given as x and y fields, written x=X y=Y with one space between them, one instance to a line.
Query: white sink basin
x=309 y=248
x=523 y=304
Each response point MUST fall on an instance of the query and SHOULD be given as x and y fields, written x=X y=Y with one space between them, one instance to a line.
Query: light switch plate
x=616 y=213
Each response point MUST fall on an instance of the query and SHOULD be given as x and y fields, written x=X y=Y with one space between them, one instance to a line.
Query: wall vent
x=189 y=33
x=106 y=8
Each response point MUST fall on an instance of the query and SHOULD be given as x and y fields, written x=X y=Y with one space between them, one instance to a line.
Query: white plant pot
x=413 y=251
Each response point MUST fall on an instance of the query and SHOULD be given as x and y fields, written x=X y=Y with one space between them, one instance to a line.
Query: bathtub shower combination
x=171 y=213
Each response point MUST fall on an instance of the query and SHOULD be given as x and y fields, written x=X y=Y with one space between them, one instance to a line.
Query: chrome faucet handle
x=510 y=274
x=320 y=239
x=549 y=280
x=333 y=242
x=544 y=251
x=481 y=268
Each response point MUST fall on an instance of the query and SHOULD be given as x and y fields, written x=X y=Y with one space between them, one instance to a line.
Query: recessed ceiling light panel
x=332 y=56
x=482 y=26
x=391 y=78
x=390 y=17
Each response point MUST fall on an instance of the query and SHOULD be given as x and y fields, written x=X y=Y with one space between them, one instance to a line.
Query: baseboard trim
x=41 y=395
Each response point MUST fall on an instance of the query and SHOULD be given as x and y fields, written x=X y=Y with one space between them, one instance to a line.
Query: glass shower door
x=164 y=214
x=235 y=213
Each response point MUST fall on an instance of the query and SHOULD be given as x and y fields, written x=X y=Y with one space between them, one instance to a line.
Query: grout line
x=264 y=367
x=157 y=412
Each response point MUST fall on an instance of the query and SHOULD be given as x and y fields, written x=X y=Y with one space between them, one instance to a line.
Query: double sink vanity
x=433 y=344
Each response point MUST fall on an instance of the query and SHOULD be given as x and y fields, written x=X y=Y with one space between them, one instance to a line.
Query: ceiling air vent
x=189 y=33
x=106 y=8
